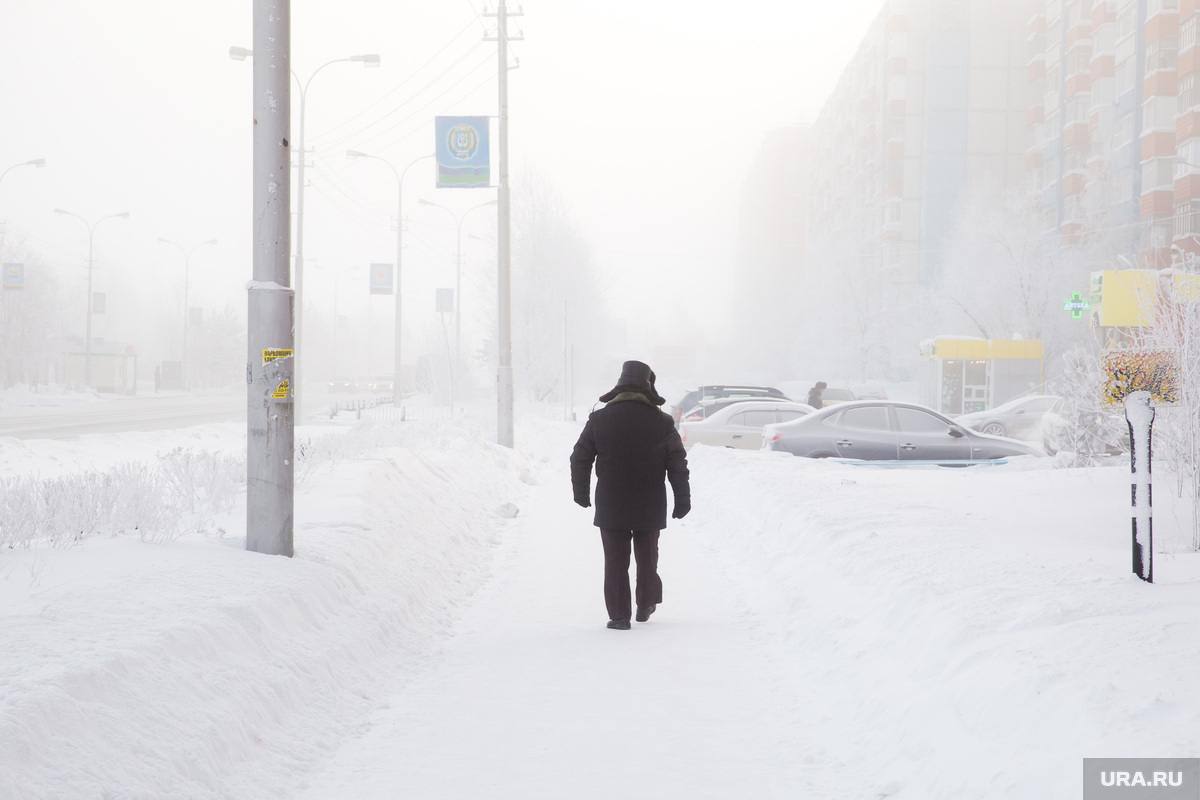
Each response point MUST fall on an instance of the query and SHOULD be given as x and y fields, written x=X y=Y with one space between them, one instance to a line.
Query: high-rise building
x=1116 y=112
x=927 y=120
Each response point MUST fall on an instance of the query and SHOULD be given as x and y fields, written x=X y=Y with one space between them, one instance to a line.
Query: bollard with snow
x=1139 y=413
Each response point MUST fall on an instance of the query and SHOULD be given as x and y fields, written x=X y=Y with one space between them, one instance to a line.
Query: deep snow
x=829 y=631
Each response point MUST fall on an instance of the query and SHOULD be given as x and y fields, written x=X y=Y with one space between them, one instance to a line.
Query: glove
x=583 y=502
x=682 y=507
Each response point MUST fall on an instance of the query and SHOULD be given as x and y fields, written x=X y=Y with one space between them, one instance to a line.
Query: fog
x=641 y=120
x=777 y=420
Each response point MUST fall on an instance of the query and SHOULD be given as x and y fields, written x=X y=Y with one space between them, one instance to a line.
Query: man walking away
x=635 y=447
x=816 y=395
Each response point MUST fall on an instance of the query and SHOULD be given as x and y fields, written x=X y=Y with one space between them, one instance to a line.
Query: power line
x=406 y=118
x=412 y=75
x=424 y=124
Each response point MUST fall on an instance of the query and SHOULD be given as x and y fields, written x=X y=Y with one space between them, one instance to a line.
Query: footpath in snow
x=828 y=631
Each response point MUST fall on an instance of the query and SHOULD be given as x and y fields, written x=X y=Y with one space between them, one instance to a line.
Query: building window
x=1158 y=6
x=1162 y=55
x=1158 y=174
x=1188 y=162
x=1126 y=76
x=1189 y=93
x=1187 y=218
x=1187 y=33
x=1158 y=114
x=1127 y=20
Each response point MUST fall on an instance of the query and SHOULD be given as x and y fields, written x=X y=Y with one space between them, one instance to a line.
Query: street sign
x=1077 y=306
x=463 y=159
x=381 y=278
x=14 y=276
x=99 y=302
x=444 y=301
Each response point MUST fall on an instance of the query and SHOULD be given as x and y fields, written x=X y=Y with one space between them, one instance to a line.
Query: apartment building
x=1116 y=117
x=928 y=119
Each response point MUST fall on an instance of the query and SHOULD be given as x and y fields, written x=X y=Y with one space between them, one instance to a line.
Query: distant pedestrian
x=635 y=447
x=816 y=395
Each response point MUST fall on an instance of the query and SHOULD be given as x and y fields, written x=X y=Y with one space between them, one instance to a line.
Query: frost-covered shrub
x=182 y=492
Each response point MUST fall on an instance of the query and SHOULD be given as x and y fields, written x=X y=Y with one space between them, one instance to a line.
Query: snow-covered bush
x=183 y=492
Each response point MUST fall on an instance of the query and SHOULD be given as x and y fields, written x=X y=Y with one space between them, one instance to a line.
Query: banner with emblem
x=463 y=158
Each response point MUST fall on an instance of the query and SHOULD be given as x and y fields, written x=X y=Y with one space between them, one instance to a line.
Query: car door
x=865 y=432
x=925 y=436
x=748 y=435
x=728 y=433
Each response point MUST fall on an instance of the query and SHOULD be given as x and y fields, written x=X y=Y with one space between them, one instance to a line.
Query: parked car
x=1086 y=431
x=706 y=408
x=875 y=430
x=740 y=424
x=721 y=391
x=1018 y=419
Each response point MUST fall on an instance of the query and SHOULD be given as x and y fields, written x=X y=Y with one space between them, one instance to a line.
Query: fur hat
x=635 y=377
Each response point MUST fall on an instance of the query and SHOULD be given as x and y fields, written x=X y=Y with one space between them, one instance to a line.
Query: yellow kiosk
x=969 y=374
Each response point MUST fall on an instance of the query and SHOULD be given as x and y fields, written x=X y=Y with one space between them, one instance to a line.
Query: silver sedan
x=888 y=431
x=740 y=425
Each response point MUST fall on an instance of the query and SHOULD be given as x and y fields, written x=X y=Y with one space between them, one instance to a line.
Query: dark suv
x=722 y=391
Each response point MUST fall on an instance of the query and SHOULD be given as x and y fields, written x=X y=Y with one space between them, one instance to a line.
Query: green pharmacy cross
x=1076 y=305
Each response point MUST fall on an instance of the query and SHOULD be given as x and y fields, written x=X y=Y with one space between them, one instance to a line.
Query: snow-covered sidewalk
x=535 y=698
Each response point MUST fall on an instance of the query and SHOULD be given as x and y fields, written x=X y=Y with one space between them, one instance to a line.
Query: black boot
x=619 y=624
x=643 y=614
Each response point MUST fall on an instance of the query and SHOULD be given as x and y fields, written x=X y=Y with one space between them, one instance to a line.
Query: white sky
x=645 y=115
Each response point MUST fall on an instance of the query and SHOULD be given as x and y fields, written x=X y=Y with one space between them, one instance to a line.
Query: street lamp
x=91 y=229
x=401 y=174
x=367 y=60
x=187 y=269
x=459 y=220
x=36 y=162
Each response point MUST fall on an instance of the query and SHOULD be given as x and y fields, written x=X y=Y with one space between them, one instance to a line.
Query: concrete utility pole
x=270 y=420
x=91 y=229
x=504 y=375
x=367 y=60
x=187 y=272
x=397 y=332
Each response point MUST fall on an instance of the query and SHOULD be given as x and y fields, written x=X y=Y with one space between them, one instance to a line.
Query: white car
x=740 y=425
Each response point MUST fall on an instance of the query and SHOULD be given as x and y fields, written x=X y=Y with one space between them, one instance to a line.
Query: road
x=116 y=415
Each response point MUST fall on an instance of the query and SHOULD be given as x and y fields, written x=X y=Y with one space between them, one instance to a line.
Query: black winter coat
x=635 y=446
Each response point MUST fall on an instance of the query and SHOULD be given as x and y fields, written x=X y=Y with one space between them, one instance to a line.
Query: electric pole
x=504 y=374
x=270 y=418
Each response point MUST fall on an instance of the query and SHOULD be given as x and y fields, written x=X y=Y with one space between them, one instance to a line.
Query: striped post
x=1139 y=413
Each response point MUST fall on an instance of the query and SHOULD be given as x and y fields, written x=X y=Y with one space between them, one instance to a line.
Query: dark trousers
x=616 y=570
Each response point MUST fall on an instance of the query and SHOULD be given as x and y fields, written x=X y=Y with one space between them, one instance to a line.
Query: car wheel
x=994 y=429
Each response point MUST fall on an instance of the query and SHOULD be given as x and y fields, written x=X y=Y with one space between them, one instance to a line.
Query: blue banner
x=463 y=159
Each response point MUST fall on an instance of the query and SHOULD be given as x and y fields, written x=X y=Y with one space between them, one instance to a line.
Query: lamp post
x=35 y=162
x=91 y=229
x=460 y=219
x=187 y=270
x=401 y=174
x=367 y=60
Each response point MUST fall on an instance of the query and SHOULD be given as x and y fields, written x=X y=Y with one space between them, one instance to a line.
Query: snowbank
x=959 y=633
x=195 y=669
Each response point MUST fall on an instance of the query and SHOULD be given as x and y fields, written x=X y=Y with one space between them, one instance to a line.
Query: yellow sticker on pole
x=282 y=391
x=275 y=353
